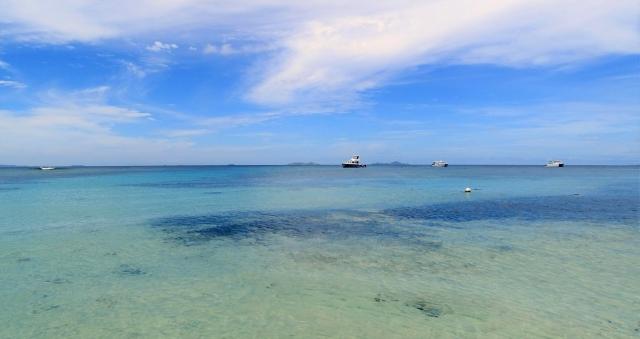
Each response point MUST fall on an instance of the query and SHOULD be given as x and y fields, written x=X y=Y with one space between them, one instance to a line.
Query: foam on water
x=320 y=252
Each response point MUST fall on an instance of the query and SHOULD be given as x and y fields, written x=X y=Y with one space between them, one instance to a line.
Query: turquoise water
x=321 y=251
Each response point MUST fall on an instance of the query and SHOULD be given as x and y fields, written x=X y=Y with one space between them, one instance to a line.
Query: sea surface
x=320 y=252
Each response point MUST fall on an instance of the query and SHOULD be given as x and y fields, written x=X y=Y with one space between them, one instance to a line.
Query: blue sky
x=273 y=82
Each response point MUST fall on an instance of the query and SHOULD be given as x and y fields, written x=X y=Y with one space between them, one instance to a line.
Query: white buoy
x=467 y=190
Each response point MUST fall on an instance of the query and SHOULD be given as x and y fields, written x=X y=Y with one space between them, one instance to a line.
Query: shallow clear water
x=277 y=251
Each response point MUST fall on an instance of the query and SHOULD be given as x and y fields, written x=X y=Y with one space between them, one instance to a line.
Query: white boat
x=439 y=163
x=354 y=162
x=46 y=168
x=554 y=163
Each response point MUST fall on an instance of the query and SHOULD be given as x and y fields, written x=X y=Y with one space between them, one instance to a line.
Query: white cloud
x=81 y=127
x=230 y=121
x=147 y=65
x=77 y=127
x=185 y=133
x=134 y=69
x=326 y=53
x=87 y=108
x=336 y=58
x=229 y=49
x=83 y=135
x=80 y=116
x=223 y=49
x=4 y=65
x=159 y=46
x=53 y=136
x=209 y=49
x=12 y=84
x=92 y=20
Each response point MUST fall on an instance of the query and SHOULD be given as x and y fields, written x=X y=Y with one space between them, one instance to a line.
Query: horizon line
x=293 y=165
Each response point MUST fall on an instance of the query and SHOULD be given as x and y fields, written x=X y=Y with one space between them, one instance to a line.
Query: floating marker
x=467 y=190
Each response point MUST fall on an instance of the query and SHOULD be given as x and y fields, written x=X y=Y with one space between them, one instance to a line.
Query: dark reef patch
x=405 y=224
x=573 y=208
x=430 y=309
x=382 y=298
x=128 y=270
x=58 y=281
x=194 y=229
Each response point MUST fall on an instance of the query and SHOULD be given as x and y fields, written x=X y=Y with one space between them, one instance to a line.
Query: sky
x=165 y=82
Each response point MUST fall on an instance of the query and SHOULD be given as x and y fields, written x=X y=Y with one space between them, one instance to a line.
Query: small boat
x=439 y=163
x=47 y=168
x=554 y=163
x=354 y=162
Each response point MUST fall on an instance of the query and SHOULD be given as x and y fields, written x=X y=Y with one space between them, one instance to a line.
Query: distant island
x=303 y=164
x=393 y=163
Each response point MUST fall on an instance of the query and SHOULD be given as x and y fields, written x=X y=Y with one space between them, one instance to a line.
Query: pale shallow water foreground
x=306 y=252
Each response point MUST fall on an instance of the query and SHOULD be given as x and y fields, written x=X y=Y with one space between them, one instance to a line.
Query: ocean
x=320 y=252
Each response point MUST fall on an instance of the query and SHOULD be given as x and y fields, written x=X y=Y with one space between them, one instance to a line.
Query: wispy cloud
x=79 y=110
x=4 y=65
x=230 y=121
x=185 y=133
x=134 y=69
x=328 y=53
x=223 y=49
x=198 y=126
x=12 y=84
x=320 y=58
x=226 y=48
x=78 y=134
x=159 y=46
x=146 y=66
x=334 y=58
x=79 y=127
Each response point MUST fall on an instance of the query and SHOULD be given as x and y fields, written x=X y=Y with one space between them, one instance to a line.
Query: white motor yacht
x=354 y=162
x=439 y=163
x=554 y=163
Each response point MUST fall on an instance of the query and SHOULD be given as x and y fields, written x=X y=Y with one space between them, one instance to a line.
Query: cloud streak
x=337 y=58
x=12 y=84
x=83 y=110
x=4 y=65
x=159 y=46
x=326 y=53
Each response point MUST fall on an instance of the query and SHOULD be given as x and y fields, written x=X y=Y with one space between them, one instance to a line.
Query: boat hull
x=353 y=166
